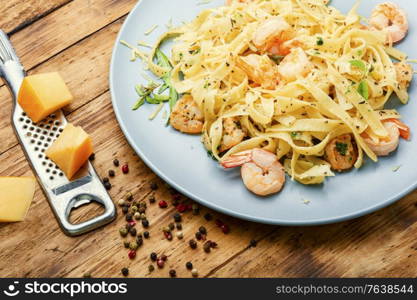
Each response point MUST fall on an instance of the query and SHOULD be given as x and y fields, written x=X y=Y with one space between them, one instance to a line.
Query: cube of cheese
x=42 y=94
x=71 y=150
x=16 y=194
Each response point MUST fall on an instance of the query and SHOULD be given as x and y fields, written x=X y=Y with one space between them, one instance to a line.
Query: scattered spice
x=134 y=209
x=126 y=244
x=152 y=199
x=136 y=216
x=225 y=229
x=168 y=236
x=194 y=272
x=116 y=162
x=151 y=268
x=125 y=169
x=171 y=226
x=207 y=246
x=178 y=226
x=160 y=263
x=164 y=257
x=145 y=223
x=189 y=265
x=253 y=243
x=139 y=241
x=133 y=232
x=87 y=275
x=129 y=217
x=105 y=179
x=193 y=244
x=125 y=209
x=107 y=186
x=146 y=234
x=133 y=246
x=198 y=236
x=163 y=204
x=172 y=273
x=123 y=232
x=180 y=235
x=202 y=230
x=132 y=254
x=208 y=217
x=196 y=209
x=154 y=256
x=125 y=272
x=154 y=186
x=129 y=196
x=121 y=202
x=181 y=207
x=177 y=217
x=112 y=173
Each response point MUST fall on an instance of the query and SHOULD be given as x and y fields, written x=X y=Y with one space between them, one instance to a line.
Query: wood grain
x=18 y=14
x=76 y=38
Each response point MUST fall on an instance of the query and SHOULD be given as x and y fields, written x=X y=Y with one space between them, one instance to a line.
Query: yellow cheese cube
x=42 y=94
x=16 y=194
x=71 y=150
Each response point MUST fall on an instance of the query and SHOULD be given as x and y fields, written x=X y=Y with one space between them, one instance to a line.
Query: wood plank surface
x=76 y=38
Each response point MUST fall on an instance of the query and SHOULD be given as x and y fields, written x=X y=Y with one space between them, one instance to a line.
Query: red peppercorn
x=164 y=257
x=160 y=263
x=168 y=236
x=132 y=254
x=181 y=208
x=225 y=229
x=219 y=223
x=132 y=223
x=176 y=197
x=125 y=169
x=163 y=204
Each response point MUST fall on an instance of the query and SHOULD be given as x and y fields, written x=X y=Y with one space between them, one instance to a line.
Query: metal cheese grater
x=63 y=195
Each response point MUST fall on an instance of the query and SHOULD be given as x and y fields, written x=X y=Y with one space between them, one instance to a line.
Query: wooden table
x=75 y=37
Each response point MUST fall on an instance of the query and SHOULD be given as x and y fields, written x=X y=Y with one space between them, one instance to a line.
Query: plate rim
x=251 y=218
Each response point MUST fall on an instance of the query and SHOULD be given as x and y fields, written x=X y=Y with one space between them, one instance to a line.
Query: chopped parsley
x=341 y=148
x=320 y=41
x=363 y=89
x=294 y=134
x=358 y=64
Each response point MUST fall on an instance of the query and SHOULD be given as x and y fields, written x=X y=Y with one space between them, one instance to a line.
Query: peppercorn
x=163 y=204
x=151 y=268
x=172 y=273
x=202 y=230
x=136 y=216
x=134 y=209
x=87 y=275
x=105 y=179
x=193 y=244
x=121 y=202
x=133 y=246
x=139 y=241
x=125 y=272
x=116 y=162
x=142 y=204
x=129 y=196
x=194 y=272
x=141 y=209
x=253 y=243
x=179 y=226
x=107 y=186
x=164 y=257
x=123 y=232
x=160 y=263
x=154 y=256
x=145 y=223
x=171 y=226
x=154 y=186
x=198 y=236
x=125 y=209
x=126 y=244
x=125 y=169
x=180 y=235
x=177 y=217
x=208 y=217
x=128 y=226
x=129 y=217
x=168 y=236
x=112 y=173
x=189 y=265
x=133 y=232
x=131 y=254
x=225 y=228
x=207 y=247
x=146 y=234
x=152 y=199
x=142 y=216
x=92 y=157
x=195 y=208
x=213 y=244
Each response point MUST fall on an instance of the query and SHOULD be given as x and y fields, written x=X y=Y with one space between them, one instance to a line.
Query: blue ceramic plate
x=182 y=161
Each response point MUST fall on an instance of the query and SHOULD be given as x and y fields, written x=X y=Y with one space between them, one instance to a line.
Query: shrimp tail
x=237 y=160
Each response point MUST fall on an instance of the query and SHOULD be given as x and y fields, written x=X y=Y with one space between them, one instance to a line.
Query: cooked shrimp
x=275 y=36
x=385 y=146
x=404 y=74
x=391 y=18
x=294 y=65
x=186 y=116
x=233 y=133
x=260 y=69
x=342 y=153
x=261 y=171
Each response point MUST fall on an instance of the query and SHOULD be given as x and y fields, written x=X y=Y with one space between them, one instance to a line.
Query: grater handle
x=10 y=67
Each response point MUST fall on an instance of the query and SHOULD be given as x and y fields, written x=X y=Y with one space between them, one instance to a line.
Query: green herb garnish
x=363 y=89
x=358 y=64
x=341 y=148
x=320 y=41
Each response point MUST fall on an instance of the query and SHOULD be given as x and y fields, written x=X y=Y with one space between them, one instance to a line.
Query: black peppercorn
x=139 y=241
x=105 y=179
x=133 y=232
x=198 y=236
x=177 y=217
x=207 y=247
x=146 y=234
x=116 y=162
x=126 y=244
x=208 y=217
x=171 y=226
x=193 y=244
x=125 y=209
x=154 y=186
x=152 y=199
x=92 y=157
x=202 y=230
x=125 y=271
x=196 y=209
x=179 y=226
x=151 y=268
x=253 y=243
x=112 y=173
x=129 y=217
x=154 y=256
x=189 y=265
x=145 y=223
x=107 y=186
x=172 y=273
